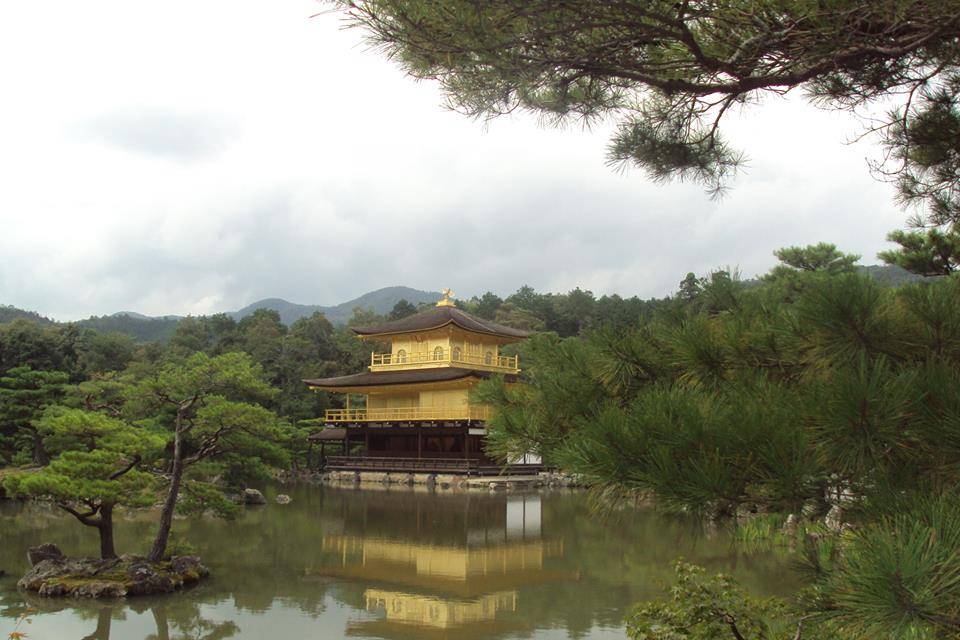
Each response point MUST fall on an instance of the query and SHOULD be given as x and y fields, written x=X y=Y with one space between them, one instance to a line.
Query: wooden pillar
x=419 y=443
x=366 y=442
x=466 y=442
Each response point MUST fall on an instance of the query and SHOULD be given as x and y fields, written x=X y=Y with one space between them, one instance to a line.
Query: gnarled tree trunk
x=100 y=517
x=181 y=426
x=169 y=504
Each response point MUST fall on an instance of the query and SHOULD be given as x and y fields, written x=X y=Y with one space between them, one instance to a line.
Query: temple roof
x=407 y=376
x=441 y=316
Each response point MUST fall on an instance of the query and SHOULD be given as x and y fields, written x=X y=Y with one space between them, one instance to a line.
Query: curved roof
x=407 y=376
x=438 y=317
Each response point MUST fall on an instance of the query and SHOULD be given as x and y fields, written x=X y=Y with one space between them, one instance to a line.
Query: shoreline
x=437 y=481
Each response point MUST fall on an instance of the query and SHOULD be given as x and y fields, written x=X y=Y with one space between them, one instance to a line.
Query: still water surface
x=349 y=563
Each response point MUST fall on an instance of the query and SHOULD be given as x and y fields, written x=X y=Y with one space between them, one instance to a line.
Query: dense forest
x=540 y=311
x=112 y=348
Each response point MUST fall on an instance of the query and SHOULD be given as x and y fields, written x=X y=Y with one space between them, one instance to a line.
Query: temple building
x=411 y=410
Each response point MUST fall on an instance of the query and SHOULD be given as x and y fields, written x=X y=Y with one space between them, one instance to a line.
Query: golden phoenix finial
x=445 y=301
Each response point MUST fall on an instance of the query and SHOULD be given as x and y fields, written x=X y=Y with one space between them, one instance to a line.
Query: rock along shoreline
x=53 y=574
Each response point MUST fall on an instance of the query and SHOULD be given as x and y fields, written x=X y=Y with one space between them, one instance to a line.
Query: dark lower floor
x=458 y=466
x=422 y=449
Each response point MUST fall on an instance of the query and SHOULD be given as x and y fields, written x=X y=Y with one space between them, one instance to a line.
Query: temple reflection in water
x=456 y=571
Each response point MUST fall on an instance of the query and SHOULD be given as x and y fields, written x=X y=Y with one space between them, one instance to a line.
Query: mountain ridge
x=380 y=301
x=146 y=328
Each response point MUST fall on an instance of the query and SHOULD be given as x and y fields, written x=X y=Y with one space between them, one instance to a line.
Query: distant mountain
x=140 y=316
x=380 y=301
x=130 y=314
x=140 y=327
x=890 y=275
x=9 y=314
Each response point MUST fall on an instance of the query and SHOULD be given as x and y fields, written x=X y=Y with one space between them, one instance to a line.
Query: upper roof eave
x=440 y=317
x=369 y=379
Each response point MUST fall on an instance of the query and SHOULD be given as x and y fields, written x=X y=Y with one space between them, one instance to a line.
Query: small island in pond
x=54 y=574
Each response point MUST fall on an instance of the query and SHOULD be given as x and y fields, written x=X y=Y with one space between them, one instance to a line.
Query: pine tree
x=670 y=72
x=206 y=408
x=932 y=253
x=760 y=402
x=401 y=310
x=96 y=471
x=24 y=394
x=690 y=288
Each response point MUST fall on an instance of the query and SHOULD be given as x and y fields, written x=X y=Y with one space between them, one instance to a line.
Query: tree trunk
x=160 y=619
x=40 y=456
x=166 y=515
x=105 y=527
x=103 y=626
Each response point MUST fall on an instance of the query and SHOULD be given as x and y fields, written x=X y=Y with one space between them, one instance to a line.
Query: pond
x=400 y=563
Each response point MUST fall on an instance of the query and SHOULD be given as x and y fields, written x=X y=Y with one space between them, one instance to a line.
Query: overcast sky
x=192 y=157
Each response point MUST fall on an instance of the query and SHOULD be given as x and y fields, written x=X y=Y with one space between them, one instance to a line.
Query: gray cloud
x=163 y=133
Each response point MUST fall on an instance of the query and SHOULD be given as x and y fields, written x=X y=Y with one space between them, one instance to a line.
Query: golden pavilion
x=411 y=410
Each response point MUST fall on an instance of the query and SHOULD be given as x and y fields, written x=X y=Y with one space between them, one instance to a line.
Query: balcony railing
x=402 y=414
x=442 y=357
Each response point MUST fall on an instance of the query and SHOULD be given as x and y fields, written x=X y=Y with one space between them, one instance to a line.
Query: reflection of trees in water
x=187 y=623
x=12 y=605
x=102 y=632
x=172 y=621
x=262 y=557
x=253 y=560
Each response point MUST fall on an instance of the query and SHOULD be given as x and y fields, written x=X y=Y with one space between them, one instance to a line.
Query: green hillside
x=9 y=313
x=141 y=328
x=380 y=301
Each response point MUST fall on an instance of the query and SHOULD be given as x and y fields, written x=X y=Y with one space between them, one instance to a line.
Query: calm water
x=386 y=564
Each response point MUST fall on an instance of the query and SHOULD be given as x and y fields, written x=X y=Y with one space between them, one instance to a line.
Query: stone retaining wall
x=446 y=481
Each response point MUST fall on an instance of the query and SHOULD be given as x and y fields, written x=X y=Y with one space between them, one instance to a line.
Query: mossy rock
x=118 y=578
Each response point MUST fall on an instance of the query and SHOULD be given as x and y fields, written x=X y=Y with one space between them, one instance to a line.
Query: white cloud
x=198 y=156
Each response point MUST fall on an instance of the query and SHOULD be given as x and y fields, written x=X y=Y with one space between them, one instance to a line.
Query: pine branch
x=85 y=518
x=133 y=462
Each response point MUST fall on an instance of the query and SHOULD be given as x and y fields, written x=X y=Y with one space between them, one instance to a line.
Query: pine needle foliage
x=898 y=577
x=762 y=404
x=792 y=395
x=99 y=467
x=668 y=73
